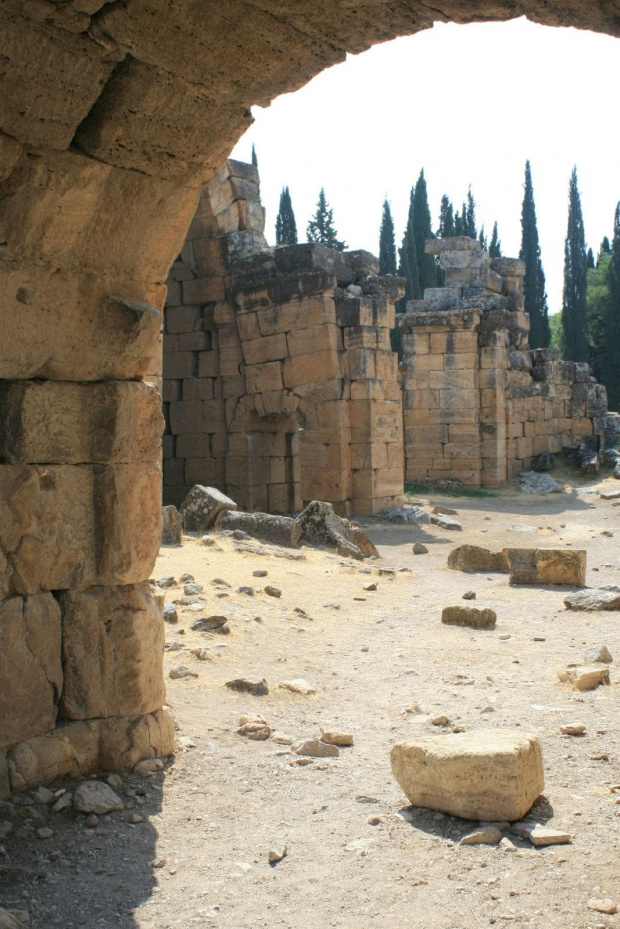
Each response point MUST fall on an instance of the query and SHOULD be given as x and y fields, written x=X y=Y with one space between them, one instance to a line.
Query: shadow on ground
x=80 y=877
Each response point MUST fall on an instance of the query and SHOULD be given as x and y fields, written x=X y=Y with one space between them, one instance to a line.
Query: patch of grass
x=414 y=489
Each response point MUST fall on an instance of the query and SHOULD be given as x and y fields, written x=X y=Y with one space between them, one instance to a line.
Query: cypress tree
x=534 y=282
x=482 y=238
x=495 y=246
x=575 y=342
x=590 y=259
x=387 y=242
x=254 y=158
x=408 y=260
x=286 y=227
x=446 y=218
x=321 y=227
x=421 y=232
x=609 y=367
x=459 y=222
x=469 y=216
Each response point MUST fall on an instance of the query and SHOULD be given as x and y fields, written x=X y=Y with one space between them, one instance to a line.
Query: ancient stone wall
x=280 y=384
x=478 y=405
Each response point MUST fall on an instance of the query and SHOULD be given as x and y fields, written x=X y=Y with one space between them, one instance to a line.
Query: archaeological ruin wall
x=113 y=117
x=280 y=385
x=478 y=405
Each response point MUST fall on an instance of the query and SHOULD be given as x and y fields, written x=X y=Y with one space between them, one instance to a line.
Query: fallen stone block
x=490 y=775
x=485 y=835
x=320 y=526
x=446 y=522
x=444 y=511
x=96 y=797
x=315 y=748
x=599 y=654
x=542 y=567
x=584 y=678
x=476 y=558
x=408 y=515
x=249 y=685
x=540 y=835
x=359 y=538
x=279 y=530
x=298 y=686
x=469 y=616
x=172 y=526
x=603 y=598
x=202 y=507
x=610 y=494
x=533 y=483
x=335 y=737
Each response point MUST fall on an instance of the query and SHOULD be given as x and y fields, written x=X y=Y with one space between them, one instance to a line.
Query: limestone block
x=70 y=423
x=76 y=326
x=279 y=530
x=475 y=558
x=321 y=526
x=265 y=377
x=311 y=256
x=172 y=526
x=70 y=750
x=468 y=616
x=296 y=314
x=311 y=369
x=322 y=338
x=541 y=566
x=187 y=417
x=202 y=507
x=200 y=471
x=265 y=348
x=30 y=667
x=112 y=648
x=66 y=526
x=492 y=775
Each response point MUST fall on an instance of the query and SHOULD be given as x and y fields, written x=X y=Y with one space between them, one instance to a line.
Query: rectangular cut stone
x=76 y=327
x=310 y=369
x=68 y=423
x=112 y=648
x=65 y=526
x=30 y=667
x=492 y=774
x=540 y=566
x=298 y=314
x=267 y=348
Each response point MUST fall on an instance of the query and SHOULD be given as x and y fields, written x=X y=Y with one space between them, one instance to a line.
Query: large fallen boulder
x=172 y=526
x=533 y=483
x=446 y=522
x=322 y=527
x=359 y=538
x=202 y=507
x=280 y=530
x=492 y=775
x=603 y=598
x=469 y=616
x=409 y=515
x=476 y=558
x=545 y=566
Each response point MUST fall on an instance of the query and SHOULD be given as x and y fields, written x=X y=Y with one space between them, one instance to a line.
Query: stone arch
x=113 y=116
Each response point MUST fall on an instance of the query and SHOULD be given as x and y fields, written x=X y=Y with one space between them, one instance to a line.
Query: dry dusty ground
x=211 y=817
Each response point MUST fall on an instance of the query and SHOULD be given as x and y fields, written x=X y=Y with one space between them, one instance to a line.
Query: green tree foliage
x=286 y=227
x=603 y=303
x=321 y=227
x=254 y=158
x=387 y=242
x=575 y=343
x=605 y=249
x=408 y=260
x=590 y=259
x=421 y=222
x=482 y=238
x=459 y=222
x=446 y=218
x=534 y=285
x=469 y=216
x=555 y=330
x=495 y=246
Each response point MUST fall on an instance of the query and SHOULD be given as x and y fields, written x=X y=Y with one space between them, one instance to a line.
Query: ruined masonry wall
x=478 y=405
x=280 y=385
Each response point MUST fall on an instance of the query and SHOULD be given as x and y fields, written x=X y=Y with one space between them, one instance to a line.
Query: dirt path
x=213 y=816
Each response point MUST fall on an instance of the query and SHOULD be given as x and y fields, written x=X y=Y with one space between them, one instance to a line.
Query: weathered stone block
x=490 y=775
x=475 y=558
x=265 y=348
x=541 y=566
x=67 y=423
x=172 y=526
x=67 y=526
x=468 y=616
x=30 y=667
x=203 y=506
x=112 y=648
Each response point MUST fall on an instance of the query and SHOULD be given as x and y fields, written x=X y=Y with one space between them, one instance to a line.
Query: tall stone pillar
x=85 y=247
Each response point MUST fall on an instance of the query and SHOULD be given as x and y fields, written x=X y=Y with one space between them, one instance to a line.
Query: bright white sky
x=468 y=104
